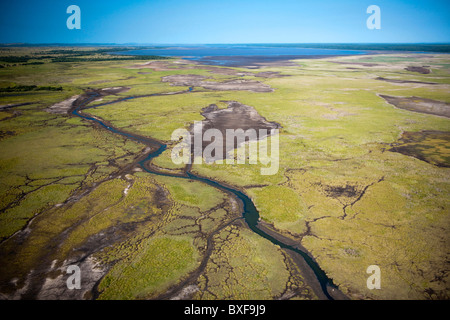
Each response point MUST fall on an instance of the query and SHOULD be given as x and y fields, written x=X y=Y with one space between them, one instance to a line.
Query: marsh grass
x=339 y=191
x=158 y=265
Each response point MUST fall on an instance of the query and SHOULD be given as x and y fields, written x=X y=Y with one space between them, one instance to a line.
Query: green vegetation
x=159 y=264
x=192 y=193
x=29 y=88
x=345 y=190
x=66 y=54
x=285 y=211
x=430 y=146
x=246 y=266
x=45 y=159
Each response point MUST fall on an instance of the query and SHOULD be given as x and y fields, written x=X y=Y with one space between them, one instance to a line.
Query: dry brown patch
x=194 y=80
x=421 y=70
x=421 y=105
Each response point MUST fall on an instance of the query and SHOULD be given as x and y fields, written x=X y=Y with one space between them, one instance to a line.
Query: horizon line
x=214 y=43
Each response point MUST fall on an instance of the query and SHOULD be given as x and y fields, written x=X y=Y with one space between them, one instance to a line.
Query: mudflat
x=235 y=116
x=421 y=105
x=92 y=183
x=194 y=80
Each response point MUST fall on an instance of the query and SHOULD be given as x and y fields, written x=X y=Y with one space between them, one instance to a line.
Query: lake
x=239 y=55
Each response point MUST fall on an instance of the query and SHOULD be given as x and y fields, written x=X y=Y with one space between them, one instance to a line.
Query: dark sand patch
x=235 y=116
x=421 y=70
x=404 y=81
x=12 y=105
x=421 y=105
x=429 y=145
x=348 y=191
x=6 y=133
x=193 y=80
x=65 y=106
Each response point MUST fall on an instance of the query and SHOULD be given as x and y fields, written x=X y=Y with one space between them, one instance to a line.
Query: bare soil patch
x=348 y=191
x=66 y=106
x=12 y=105
x=404 y=81
x=194 y=80
x=235 y=116
x=430 y=146
x=421 y=105
x=421 y=70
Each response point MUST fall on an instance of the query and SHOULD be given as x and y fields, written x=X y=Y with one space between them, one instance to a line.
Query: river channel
x=250 y=213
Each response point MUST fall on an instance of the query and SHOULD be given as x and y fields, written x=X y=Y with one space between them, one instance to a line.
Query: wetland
x=363 y=178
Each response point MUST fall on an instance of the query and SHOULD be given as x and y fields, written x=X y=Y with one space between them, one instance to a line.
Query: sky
x=224 y=21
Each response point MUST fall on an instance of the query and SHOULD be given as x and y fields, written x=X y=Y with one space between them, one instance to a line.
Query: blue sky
x=225 y=21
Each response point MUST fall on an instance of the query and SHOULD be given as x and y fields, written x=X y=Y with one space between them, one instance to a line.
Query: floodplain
x=363 y=178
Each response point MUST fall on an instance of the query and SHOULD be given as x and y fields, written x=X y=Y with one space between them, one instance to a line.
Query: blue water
x=209 y=51
x=250 y=213
x=231 y=55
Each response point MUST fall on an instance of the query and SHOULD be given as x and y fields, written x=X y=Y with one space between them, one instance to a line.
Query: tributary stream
x=250 y=213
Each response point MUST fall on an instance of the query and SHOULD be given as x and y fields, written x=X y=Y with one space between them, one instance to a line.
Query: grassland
x=71 y=190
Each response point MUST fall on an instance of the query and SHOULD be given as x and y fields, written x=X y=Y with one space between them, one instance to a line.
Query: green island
x=363 y=179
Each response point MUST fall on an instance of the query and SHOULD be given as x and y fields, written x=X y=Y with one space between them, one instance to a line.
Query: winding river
x=250 y=213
